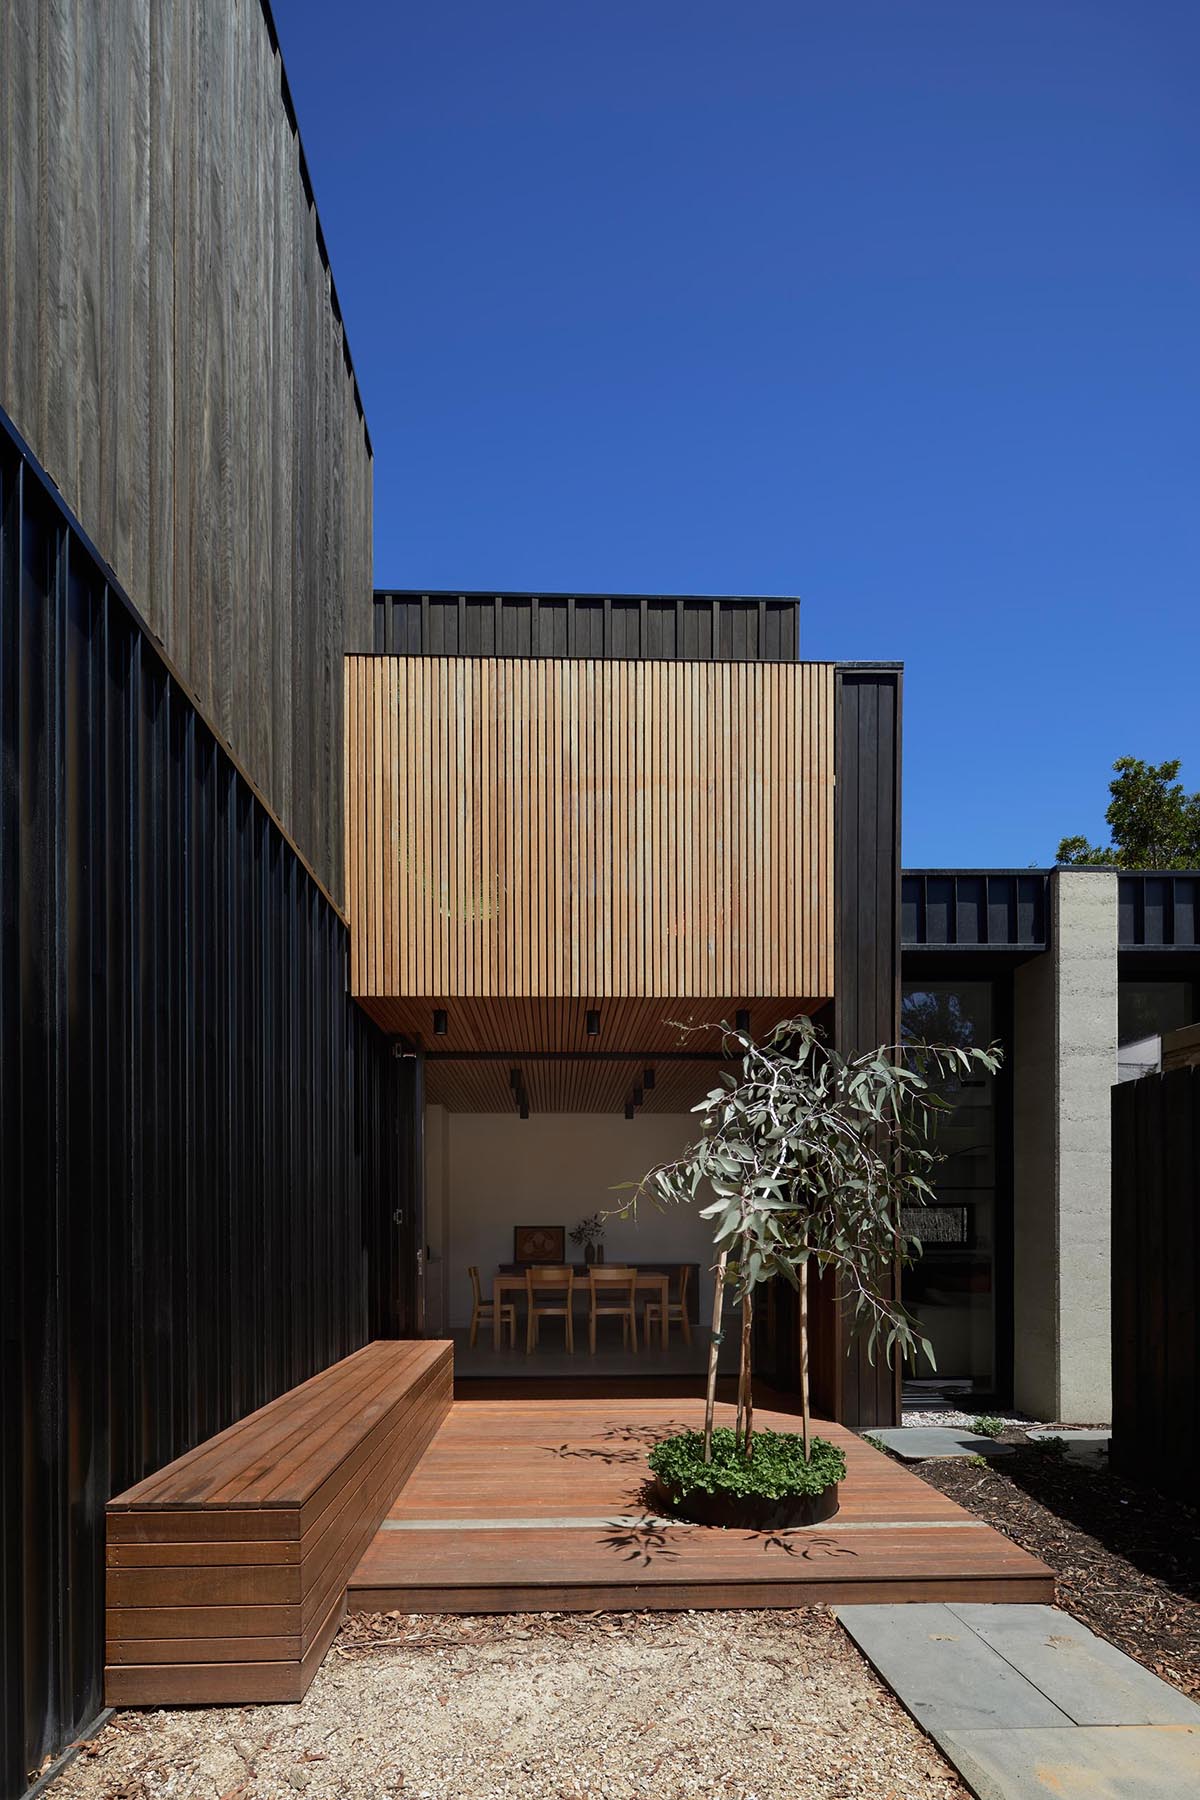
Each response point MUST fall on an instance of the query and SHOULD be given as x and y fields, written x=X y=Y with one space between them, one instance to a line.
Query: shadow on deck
x=532 y=1497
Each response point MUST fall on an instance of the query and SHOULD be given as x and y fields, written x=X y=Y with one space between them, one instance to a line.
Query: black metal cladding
x=1156 y=1280
x=1159 y=911
x=204 y=1144
x=663 y=626
x=974 y=909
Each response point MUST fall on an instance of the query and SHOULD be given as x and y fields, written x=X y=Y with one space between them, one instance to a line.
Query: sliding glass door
x=951 y=1289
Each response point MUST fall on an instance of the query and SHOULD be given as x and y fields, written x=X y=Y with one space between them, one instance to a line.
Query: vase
x=589 y=1253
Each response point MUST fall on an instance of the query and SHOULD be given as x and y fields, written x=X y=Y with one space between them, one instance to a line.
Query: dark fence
x=661 y=626
x=205 y=1148
x=1156 y=1281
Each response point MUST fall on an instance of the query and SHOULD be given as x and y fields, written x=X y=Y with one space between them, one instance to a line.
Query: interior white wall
x=497 y=1170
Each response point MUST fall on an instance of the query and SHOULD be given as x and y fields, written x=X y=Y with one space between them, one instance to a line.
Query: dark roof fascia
x=989 y=870
x=479 y=593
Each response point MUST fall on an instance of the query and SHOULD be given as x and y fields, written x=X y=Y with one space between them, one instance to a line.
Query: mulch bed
x=1127 y=1560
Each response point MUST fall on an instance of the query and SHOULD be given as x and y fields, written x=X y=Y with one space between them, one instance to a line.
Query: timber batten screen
x=589 y=828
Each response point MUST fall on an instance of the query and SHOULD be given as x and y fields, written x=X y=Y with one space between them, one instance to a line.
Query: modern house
x=582 y=832
x=345 y=934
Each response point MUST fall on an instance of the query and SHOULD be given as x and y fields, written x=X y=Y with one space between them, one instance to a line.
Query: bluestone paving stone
x=921 y=1443
x=1080 y=1445
x=944 y=1673
x=1084 y=1762
x=1071 y=1434
x=1087 y=1678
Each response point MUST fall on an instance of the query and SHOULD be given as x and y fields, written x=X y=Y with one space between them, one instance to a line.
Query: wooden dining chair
x=549 y=1294
x=611 y=1295
x=676 y=1309
x=482 y=1310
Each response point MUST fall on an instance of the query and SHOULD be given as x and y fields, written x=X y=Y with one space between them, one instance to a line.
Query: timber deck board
x=227 y=1570
x=502 y=1464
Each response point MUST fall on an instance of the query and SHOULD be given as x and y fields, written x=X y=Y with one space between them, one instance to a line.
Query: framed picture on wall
x=539 y=1243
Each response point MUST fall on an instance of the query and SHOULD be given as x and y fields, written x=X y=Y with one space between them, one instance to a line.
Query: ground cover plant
x=779 y=1466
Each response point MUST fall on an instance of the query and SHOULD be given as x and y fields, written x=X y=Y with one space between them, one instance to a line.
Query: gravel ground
x=550 y=1706
x=959 y=1421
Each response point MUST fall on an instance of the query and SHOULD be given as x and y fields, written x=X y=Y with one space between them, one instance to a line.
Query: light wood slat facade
x=172 y=350
x=525 y=828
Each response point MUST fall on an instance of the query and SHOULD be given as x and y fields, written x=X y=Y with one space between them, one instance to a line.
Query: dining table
x=649 y=1280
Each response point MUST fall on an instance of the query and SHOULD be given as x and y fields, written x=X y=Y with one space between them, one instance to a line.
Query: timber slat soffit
x=564 y=1068
x=557 y=828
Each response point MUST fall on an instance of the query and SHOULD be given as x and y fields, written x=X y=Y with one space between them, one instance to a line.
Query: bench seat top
x=280 y=1455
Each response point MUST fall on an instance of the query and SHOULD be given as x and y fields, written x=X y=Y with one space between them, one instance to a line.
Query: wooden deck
x=530 y=1499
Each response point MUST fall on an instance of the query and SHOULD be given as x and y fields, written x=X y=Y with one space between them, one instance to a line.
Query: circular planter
x=751 y=1512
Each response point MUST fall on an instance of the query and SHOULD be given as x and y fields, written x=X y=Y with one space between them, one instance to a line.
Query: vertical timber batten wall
x=587 y=828
x=203 y=1141
x=172 y=350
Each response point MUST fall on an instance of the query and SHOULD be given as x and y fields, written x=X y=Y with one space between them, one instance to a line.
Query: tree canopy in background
x=1154 y=823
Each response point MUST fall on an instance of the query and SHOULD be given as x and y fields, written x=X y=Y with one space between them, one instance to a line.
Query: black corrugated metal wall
x=659 y=626
x=207 y=1153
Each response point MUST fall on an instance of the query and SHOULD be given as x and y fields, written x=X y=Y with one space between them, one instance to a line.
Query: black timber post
x=867 y=711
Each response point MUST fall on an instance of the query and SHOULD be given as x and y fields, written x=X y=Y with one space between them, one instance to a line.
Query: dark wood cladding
x=669 y=627
x=866 y=1008
x=1156 y=1280
x=866 y=857
x=865 y=1013
x=203 y=1142
x=172 y=350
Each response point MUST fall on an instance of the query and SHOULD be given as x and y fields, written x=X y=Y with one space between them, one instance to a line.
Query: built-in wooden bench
x=227 y=1570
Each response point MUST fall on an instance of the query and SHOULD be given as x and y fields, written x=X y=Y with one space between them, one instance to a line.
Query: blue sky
x=891 y=304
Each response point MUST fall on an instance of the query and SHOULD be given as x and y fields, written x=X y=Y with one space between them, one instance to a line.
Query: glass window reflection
x=950 y=1289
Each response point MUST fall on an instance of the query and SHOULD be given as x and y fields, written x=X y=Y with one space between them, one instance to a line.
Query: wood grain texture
x=172 y=349
x=589 y=829
x=227 y=1569
x=569 y=1456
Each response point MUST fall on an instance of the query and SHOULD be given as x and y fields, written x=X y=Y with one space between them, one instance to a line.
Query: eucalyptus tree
x=816 y=1161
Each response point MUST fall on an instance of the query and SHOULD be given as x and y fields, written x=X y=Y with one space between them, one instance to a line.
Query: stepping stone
x=1072 y=1434
x=1088 y=1679
x=944 y=1673
x=922 y=1443
x=1101 y=1762
x=1079 y=1445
